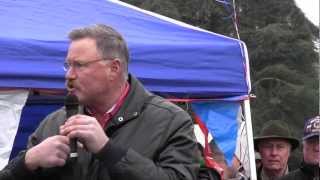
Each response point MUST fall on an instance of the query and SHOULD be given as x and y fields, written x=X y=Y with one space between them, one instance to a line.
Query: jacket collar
x=133 y=104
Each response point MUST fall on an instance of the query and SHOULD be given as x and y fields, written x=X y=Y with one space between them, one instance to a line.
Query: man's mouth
x=273 y=161
x=70 y=86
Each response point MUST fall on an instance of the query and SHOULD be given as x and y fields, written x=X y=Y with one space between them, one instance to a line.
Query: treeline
x=281 y=45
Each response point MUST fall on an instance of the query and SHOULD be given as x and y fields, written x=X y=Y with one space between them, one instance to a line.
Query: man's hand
x=51 y=152
x=87 y=130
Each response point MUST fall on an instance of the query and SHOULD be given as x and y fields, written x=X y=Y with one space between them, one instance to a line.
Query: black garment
x=208 y=174
x=305 y=172
x=261 y=175
x=150 y=139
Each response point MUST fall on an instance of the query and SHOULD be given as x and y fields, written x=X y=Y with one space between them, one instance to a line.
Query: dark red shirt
x=113 y=110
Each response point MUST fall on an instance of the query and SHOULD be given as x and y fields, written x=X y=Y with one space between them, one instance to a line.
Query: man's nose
x=70 y=74
x=274 y=150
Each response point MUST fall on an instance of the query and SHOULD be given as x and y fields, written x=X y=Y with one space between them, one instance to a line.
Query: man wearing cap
x=275 y=143
x=309 y=169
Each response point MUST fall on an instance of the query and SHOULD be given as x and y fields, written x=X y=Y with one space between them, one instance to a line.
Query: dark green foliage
x=283 y=62
x=166 y=7
x=283 y=58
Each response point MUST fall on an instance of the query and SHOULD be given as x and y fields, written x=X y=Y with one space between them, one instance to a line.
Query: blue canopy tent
x=171 y=58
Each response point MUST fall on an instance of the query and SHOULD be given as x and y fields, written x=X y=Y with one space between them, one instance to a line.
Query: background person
x=274 y=144
x=309 y=169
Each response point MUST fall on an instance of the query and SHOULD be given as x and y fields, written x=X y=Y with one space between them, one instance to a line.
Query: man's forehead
x=275 y=141
x=82 y=48
x=83 y=43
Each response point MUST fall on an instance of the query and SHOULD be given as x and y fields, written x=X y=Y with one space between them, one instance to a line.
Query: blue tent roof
x=167 y=57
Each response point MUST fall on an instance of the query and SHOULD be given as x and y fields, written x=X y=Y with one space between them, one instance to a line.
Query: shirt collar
x=113 y=110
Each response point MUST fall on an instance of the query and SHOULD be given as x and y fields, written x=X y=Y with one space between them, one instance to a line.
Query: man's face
x=90 y=81
x=311 y=153
x=274 y=154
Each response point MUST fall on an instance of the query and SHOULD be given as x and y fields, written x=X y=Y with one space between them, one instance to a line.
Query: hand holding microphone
x=51 y=152
x=54 y=150
x=82 y=128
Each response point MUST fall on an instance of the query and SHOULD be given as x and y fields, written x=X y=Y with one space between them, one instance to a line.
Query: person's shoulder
x=166 y=105
x=293 y=175
x=57 y=114
x=56 y=117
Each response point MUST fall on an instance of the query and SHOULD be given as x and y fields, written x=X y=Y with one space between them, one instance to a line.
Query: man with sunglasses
x=123 y=131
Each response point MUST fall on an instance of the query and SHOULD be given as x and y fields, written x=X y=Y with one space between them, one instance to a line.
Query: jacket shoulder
x=49 y=126
x=54 y=119
x=293 y=175
x=166 y=105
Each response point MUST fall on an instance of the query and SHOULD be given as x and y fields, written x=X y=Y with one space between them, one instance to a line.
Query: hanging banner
x=220 y=118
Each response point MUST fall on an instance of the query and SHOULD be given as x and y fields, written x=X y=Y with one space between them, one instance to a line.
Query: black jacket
x=305 y=172
x=150 y=139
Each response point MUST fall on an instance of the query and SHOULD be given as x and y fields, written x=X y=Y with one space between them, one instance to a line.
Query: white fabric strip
x=11 y=104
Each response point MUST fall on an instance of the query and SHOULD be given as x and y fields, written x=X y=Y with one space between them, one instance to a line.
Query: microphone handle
x=73 y=149
x=73 y=142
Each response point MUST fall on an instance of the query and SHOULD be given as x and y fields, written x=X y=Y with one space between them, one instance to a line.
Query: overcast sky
x=310 y=9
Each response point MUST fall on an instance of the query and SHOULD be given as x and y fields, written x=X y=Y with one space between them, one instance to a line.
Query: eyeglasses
x=79 y=65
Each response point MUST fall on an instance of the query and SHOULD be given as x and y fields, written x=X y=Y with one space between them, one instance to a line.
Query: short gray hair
x=109 y=42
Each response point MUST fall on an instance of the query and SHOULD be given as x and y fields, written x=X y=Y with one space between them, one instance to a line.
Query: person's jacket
x=305 y=172
x=262 y=176
x=150 y=139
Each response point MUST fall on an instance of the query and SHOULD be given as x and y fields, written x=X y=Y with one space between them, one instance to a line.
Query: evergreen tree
x=283 y=61
x=282 y=52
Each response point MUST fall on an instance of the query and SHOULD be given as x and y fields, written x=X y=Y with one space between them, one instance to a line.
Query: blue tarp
x=169 y=59
x=220 y=119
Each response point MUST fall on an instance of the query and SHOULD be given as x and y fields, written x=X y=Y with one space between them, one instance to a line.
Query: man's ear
x=115 y=65
x=115 y=68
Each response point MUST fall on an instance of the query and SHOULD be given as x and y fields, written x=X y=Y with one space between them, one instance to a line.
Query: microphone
x=71 y=103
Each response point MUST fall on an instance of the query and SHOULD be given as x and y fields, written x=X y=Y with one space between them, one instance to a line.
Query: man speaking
x=122 y=131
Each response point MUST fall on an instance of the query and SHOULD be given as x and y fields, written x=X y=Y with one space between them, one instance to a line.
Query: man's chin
x=273 y=167
x=77 y=94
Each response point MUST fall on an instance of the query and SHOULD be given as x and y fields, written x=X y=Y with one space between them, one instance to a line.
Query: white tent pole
x=247 y=116
x=248 y=123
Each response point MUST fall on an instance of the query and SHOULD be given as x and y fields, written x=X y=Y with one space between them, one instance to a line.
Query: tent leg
x=248 y=123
